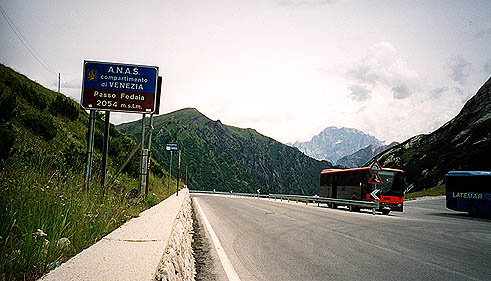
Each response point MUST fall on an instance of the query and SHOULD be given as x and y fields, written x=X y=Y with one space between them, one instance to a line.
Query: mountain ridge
x=463 y=143
x=333 y=143
x=362 y=156
x=225 y=158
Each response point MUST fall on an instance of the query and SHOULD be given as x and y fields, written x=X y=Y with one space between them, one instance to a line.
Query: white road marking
x=227 y=265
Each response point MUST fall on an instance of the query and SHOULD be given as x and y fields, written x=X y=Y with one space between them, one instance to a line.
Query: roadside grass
x=47 y=216
x=434 y=191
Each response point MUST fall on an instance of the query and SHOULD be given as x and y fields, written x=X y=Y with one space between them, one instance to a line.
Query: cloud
x=437 y=92
x=487 y=67
x=460 y=69
x=484 y=32
x=359 y=92
x=295 y=3
x=401 y=92
x=382 y=65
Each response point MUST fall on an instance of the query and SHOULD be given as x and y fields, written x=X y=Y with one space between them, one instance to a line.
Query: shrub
x=74 y=156
x=8 y=102
x=7 y=139
x=35 y=98
x=40 y=123
x=65 y=107
x=156 y=168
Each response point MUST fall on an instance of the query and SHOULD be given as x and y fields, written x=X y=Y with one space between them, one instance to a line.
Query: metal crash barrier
x=331 y=202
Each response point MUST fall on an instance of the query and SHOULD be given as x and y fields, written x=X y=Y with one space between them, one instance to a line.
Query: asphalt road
x=272 y=240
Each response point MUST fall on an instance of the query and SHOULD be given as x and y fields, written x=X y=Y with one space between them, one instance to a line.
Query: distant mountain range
x=463 y=143
x=362 y=156
x=226 y=158
x=334 y=143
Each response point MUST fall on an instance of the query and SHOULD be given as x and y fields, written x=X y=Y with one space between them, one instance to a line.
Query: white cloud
x=306 y=2
x=487 y=67
x=460 y=69
x=383 y=65
x=359 y=92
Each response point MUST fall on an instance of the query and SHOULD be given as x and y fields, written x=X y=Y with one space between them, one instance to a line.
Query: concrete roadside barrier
x=138 y=249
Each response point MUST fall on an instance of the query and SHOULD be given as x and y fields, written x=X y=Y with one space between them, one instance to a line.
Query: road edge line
x=227 y=265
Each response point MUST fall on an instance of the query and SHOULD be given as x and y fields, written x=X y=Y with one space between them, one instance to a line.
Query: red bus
x=353 y=184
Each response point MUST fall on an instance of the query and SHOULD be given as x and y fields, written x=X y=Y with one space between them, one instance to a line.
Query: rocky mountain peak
x=333 y=143
x=463 y=143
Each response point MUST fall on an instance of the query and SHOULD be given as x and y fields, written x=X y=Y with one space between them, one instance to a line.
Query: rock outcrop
x=333 y=143
x=463 y=143
x=362 y=156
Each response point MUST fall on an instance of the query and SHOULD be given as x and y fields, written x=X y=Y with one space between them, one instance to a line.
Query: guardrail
x=331 y=202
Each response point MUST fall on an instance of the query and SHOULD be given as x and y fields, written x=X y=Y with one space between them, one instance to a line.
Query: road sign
x=375 y=166
x=375 y=179
x=119 y=87
x=374 y=194
x=171 y=147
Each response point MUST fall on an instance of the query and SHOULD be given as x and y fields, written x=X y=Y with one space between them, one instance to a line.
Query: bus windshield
x=392 y=183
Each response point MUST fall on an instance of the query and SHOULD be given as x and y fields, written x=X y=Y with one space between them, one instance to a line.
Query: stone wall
x=178 y=262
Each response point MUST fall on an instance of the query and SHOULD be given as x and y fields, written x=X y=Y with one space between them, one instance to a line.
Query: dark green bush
x=7 y=139
x=74 y=156
x=65 y=107
x=8 y=102
x=156 y=168
x=35 y=98
x=39 y=123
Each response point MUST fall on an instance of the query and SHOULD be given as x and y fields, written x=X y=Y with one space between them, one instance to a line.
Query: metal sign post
x=178 y=172
x=141 y=174
x=90 y=149
x=105 y=151
x=170 y=172
x=171 y=147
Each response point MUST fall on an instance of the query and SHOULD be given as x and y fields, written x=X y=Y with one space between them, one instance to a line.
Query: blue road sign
x=171 y=147
x=119 y=87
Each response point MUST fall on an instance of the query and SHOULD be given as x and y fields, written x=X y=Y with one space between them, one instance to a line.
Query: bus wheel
x=385 y=211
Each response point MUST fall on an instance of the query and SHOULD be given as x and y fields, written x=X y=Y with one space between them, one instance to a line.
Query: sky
x=287 y=68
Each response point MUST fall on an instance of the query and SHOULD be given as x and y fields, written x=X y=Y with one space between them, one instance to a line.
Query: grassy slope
x=463 y=143
x=227 y=158
x=43 y=202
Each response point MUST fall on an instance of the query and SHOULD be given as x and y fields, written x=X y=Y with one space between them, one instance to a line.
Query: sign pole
x=141 y=177
x=90 y=149
x=105 y=151
x=170 y=169
x=178 y=172
x=149 y=152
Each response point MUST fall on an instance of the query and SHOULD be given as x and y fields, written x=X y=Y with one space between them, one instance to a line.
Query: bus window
x=326 y=179
x=392 y=183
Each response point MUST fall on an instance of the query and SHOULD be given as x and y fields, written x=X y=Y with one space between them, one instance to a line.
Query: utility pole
x=59 y=82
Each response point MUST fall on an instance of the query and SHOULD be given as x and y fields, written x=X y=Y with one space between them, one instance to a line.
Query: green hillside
x=46 y=214
x=463 y=143
x=226 y=158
